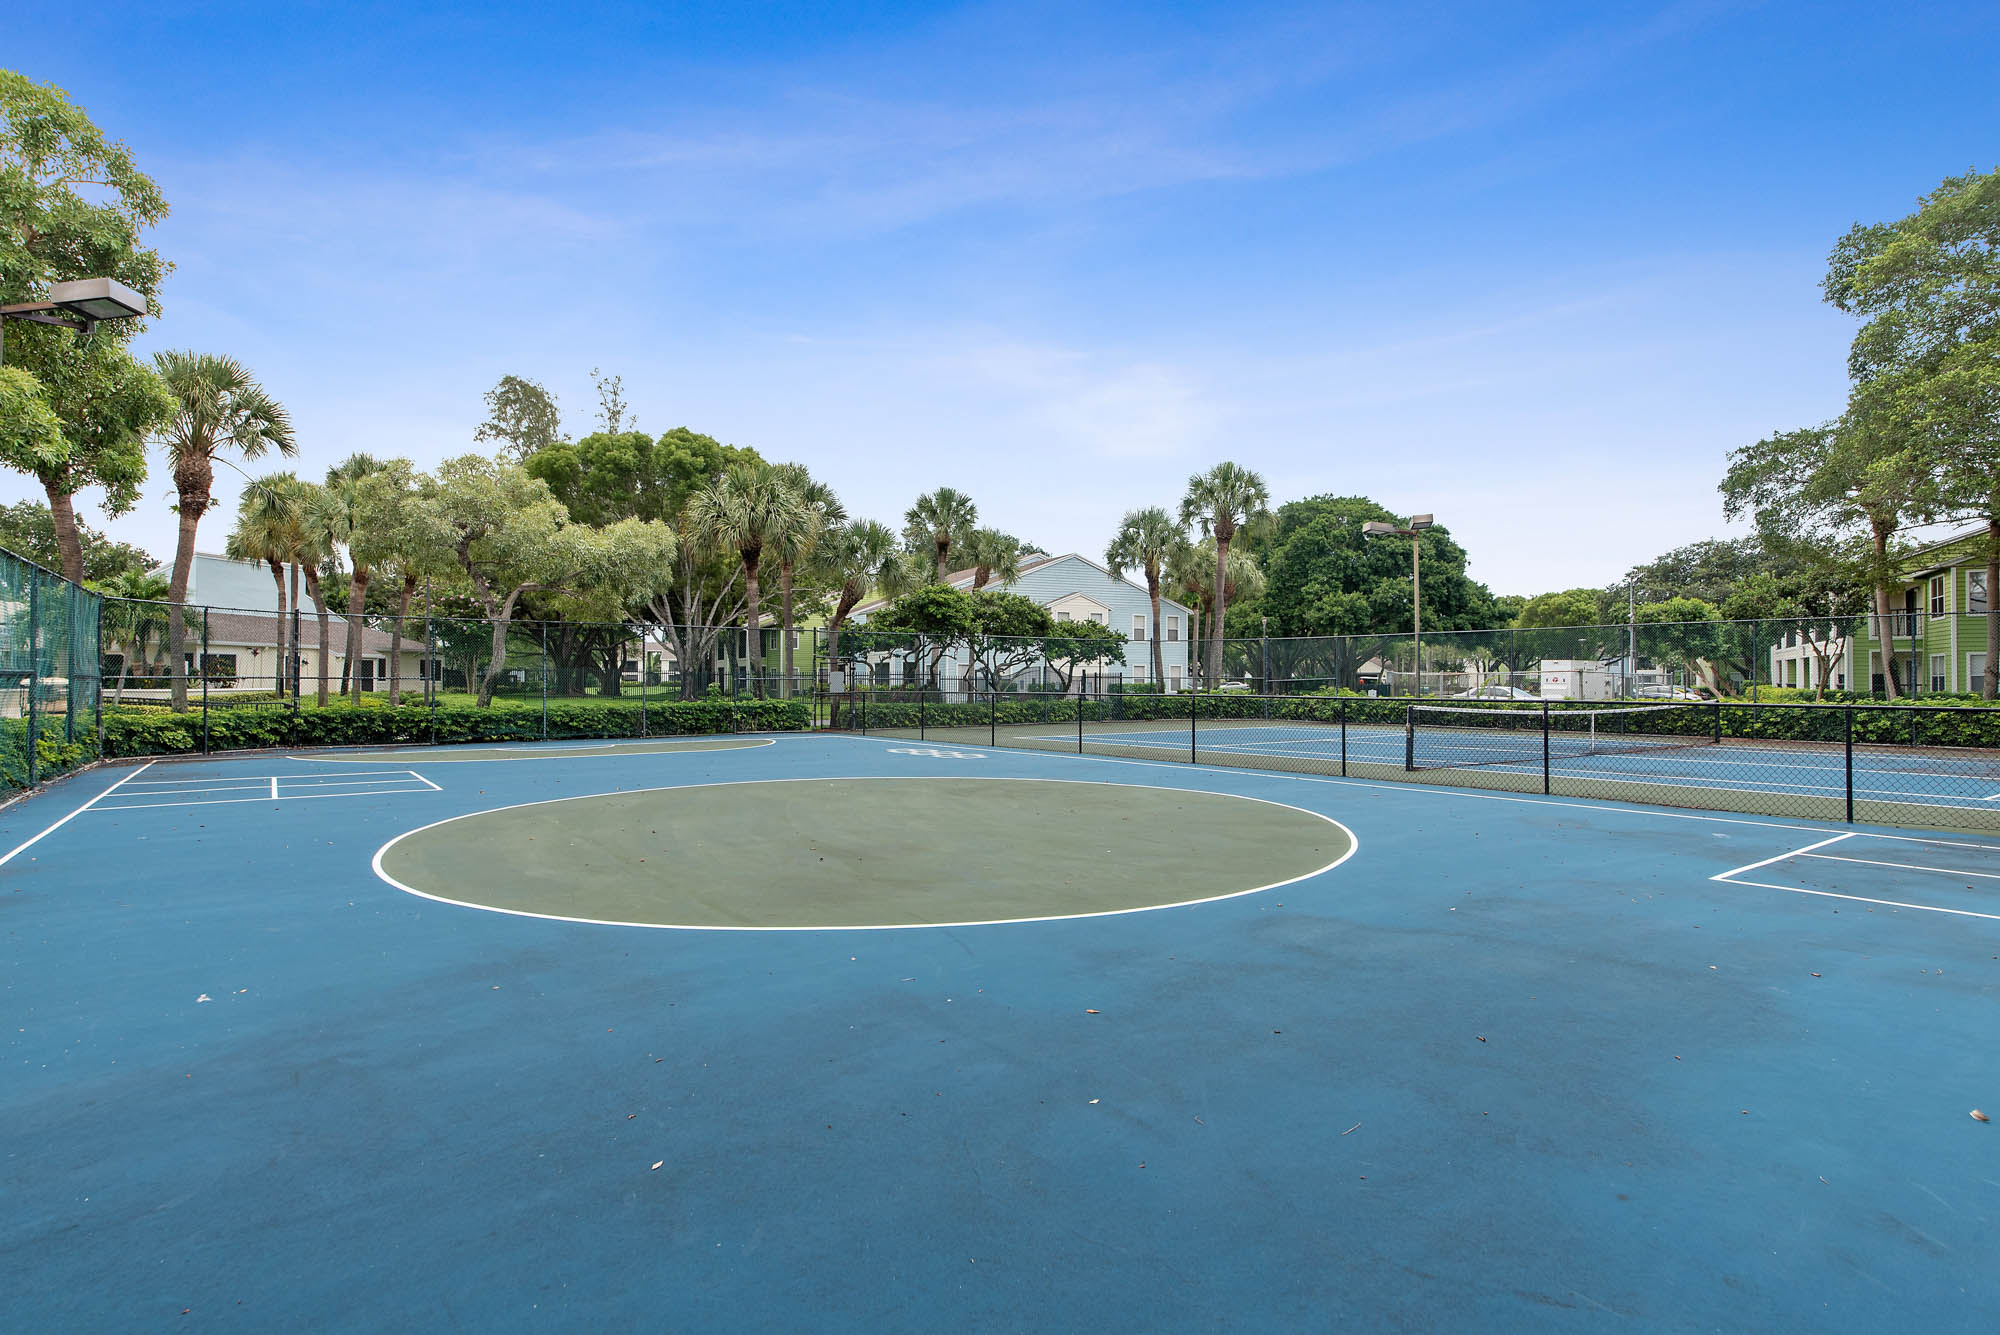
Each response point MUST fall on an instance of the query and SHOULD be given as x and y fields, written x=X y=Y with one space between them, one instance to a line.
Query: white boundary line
x=1864 y=899
x=19 y=848
x=1780 y=857
x=1353 y=847
x=1904 y=866
x=640 y=746
x=237 y=801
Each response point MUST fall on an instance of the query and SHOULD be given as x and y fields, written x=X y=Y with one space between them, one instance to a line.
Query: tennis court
x=854 y=1033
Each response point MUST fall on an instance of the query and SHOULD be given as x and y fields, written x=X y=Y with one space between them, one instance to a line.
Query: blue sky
x=1535 y=268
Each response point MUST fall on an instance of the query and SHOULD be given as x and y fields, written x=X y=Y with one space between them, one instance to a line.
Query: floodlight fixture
x=1375 y=528
x=77 y=305
x=1421 y=521
x=98 y=299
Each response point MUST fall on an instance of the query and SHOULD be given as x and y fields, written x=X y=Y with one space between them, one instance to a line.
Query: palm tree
x=746 y=507
x=267 y=530
x=319 y=547
x=1222 y=501
x=823 y=511
x=133 y=615
x=994 y=555
x=1148 y=539
x=939 y=520
x=346 y=496
x=859 y=558
x=218 y=406
x=1189 y=575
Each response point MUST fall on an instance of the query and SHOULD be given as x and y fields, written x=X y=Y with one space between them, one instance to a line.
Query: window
x=1173 y=626
x=1791 y=672
x=1174 y=678
x=1975 y=673
x=1138 y=625
x=1098 y=618
x=1063 y=615
x=1937 y=672
x=1938 y=586
x=1975 y=591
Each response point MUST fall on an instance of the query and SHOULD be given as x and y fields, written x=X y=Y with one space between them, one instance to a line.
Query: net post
x=1849 y=730
x=1343 y=736
x=1410 y=738
x=1545 y=748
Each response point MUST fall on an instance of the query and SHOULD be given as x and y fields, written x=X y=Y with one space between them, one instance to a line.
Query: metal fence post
x=993 y=719
x=920 y=711
x=1343 y=737
x=202 y=661
x=545 y=678
x=1756 y=643
x=1545 y=748
x=34 y=667
x=1194 y=757
x=1410 y=737
x=642 y=680
x=1849 y=712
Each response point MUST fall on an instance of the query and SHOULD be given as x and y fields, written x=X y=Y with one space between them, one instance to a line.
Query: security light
x=1420 y=521
x=1375 y=528
x=98 y=299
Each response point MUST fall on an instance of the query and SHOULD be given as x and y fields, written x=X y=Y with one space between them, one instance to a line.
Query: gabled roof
x=962 y=579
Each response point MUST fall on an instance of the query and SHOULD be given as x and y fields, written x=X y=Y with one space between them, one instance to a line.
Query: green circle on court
x=862 y=852
x=449 y=755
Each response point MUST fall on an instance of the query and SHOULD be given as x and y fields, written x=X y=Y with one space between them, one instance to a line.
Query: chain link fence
x=49 y=722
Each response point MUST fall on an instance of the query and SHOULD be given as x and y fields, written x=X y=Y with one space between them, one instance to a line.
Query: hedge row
x=148 y=732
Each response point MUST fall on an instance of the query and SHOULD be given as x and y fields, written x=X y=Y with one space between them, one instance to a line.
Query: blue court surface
x=1513 y=1064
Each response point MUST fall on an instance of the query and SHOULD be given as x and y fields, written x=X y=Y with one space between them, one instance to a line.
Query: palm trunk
x=753 y=655
x=1159 y=653
x=357 y=602
x=1223 y=533
x=314 y=592
x=278 y=578
x=63 y=511
x=396 y=641
x=177 y=587
x=943 y=559
x=785 y=628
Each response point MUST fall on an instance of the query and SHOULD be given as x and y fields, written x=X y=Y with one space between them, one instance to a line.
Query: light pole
x=82 y=304
x=1376 y=528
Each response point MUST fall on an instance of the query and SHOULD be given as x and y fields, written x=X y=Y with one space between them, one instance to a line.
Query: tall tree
x=1927 y=355
x=73 y=204
x=1148 y=539
x=521 y=417
x=347 y=516
x=133 y=618
x=511 y=537
x=857 y=559
x=822 y=512
x=748 y=508
x=387 y=536
x=939 y=520
x=613 y=417
x=1221 y=501
x=268 y=531
x=218 y=407
x=1817 y=486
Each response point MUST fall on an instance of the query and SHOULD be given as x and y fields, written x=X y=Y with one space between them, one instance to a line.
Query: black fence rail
x=1913 y=765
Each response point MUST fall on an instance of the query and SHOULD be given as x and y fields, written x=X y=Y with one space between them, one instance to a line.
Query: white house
x=1076 y=588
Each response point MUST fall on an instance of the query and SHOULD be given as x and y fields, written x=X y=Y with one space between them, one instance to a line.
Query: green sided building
x=1937 y=629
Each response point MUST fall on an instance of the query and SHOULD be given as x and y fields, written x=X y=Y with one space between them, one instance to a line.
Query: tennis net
x=1462 y=736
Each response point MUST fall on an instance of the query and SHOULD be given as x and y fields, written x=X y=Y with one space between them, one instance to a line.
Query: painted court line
x=19 y=848
x=1904 y=866
x=1864 y=899
x=1780 y=857
x=1353 y=847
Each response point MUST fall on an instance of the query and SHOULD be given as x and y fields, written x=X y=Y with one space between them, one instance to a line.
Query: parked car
x=1495 y=692
x=1651 y=692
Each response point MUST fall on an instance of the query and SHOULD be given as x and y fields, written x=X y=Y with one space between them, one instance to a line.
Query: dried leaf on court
x=656 y=1167
x=1352 y=1129
x=1979 y=1116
